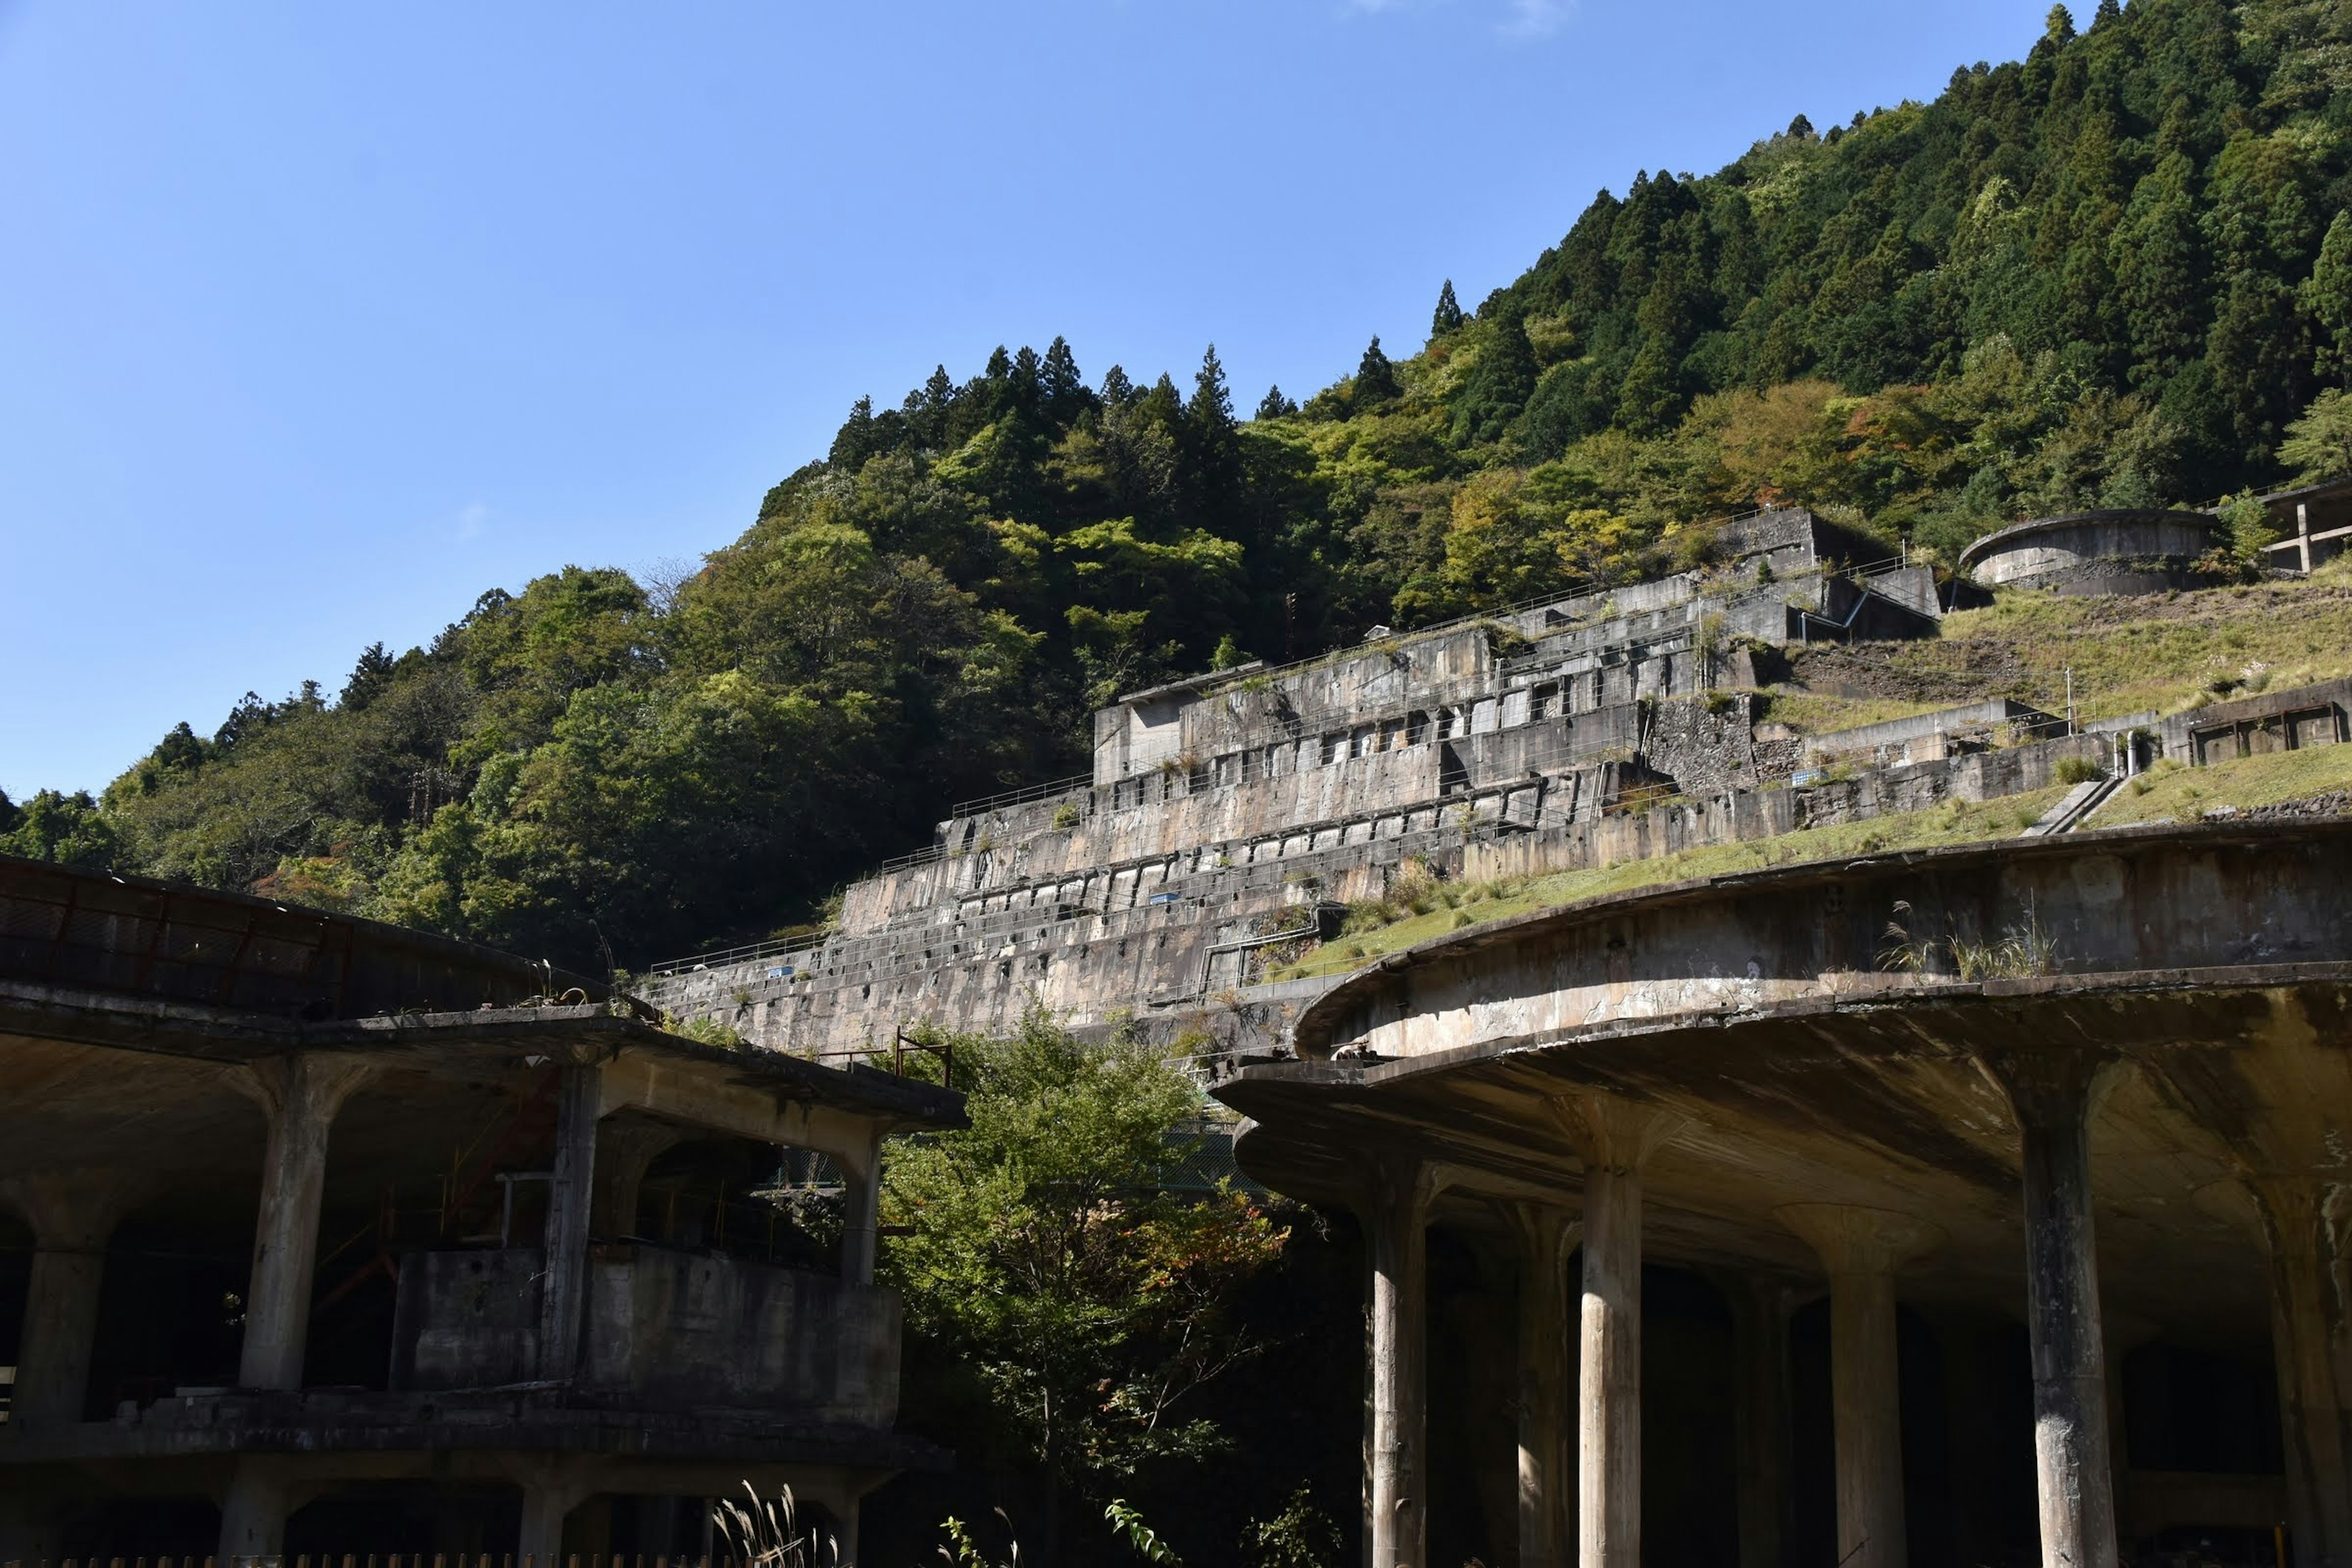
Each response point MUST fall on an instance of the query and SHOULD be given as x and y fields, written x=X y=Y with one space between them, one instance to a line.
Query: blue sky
x=318 y=321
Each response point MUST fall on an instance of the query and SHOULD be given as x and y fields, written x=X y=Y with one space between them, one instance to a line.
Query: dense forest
x=2116 y=273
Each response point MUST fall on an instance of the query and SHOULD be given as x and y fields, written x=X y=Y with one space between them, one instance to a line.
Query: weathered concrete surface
x=2115 y=552
x=1811 y=1030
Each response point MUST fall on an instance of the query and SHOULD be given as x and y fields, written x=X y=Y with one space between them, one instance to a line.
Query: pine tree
x=1065 y=389
x=2108 y=11
x=2327 y=304
x=2159 y=260
x=1376 y=381
x=1502 y=380
x=369 y=678
x=854 y=442
x=1448 y=316
x=1274 y=405
x=1118 y=392
x=1209 y=446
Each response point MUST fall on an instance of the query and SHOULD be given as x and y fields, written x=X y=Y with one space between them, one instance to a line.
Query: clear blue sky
x=316 y=320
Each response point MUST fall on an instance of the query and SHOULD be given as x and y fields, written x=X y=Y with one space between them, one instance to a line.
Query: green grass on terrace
x=1416 y=911
x=2165 y=651
x=2168 y=792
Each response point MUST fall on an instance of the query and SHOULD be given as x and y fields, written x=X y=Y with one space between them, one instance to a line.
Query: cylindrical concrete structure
x=1545 y=1236
x=72 y=1213
x=1861 y=1247
x=2051 y=1092
x=300 y=1095
x=1395 y=1214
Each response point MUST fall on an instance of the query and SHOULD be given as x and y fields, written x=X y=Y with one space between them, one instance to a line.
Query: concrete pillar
x=552 y=1489
x=1545 y=1236
x=1395 y=1213
x=2052 y=1091
x=2310 y=1349
x=261 y=1494
x=861 y=1211
x=299 y=1095
x=71 y=1213
x=562 y=1302
x=1760 y=1350
x=1862 y=1248
x=1614 y=1138
x=626 y=1148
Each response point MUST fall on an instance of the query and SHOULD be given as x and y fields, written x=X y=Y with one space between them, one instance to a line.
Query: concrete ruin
x=2111 y=551
x=319 y=1232
x=2009 y=1176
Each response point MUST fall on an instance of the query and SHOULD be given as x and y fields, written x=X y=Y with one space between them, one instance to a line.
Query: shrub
x=2077 y=771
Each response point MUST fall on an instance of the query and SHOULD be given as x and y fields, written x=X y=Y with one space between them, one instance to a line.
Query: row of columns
x=73 y=1213
x=1861 y=1250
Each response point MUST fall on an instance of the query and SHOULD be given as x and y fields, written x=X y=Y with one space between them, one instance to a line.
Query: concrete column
x=552 y=1489
x=1545 y=1236
x=1862 y=1248
x=261 y=1494
x=1760 y=1351
x=861 y=1210
x=72 y=1213
x=2310 y=1347
x=562 y=1302
x=1614 y=1138
x=2052 y=1091
x=1395 y=1213
x=299 y=1095
x=626 y=1148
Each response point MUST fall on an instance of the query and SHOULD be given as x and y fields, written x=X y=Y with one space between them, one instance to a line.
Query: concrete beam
x=71 y=1214
x=300 y=1095
x=1862 y=1248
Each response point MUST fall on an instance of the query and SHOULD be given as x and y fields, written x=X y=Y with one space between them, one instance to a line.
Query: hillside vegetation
x=2116 y=271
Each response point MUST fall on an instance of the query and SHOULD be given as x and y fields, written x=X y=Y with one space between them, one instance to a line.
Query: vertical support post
x=2308 y=1344
x=1546 y=1235
x=1395 y=1211
x=1862 y=1248
x=71 y=1213
x=2302 y=534
x=2052 y=1091
x=1614 y=1138
x=254 y=1509
x=1760 y=1350
x=563 y=1303
x=299 y=1095
x=552 y=1489
x=861 y=1211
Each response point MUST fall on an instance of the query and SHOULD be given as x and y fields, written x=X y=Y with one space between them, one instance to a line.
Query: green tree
x=2318 y=446
x=2327 y=302
x=1500 y=382
x=1448 y=316
x=1041 y=1247
x=1274 y=405
x=64 y=829
x=1376 y=379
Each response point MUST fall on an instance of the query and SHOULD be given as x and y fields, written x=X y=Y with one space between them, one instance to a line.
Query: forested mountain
x=2115 y=273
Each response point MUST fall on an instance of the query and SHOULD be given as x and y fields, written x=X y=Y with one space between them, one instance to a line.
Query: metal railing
x=1022 y=796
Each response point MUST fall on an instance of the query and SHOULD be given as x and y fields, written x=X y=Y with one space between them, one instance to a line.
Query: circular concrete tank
x=2119 y=551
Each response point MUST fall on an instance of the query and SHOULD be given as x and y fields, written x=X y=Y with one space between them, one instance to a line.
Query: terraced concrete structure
x=1226 y=815
x=2045 y=1122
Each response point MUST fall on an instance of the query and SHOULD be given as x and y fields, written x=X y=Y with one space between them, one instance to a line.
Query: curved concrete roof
x=2020 y=534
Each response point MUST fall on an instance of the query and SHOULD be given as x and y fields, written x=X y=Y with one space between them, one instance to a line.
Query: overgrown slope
x=2111 y=272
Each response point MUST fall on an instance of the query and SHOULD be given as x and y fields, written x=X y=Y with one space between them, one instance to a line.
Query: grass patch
x=2169 y=792
x=1954 y=821
x=2165 y=651
x=1810 y=714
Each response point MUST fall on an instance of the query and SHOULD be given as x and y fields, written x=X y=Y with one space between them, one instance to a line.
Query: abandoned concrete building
x=1969 y=1207
x=316 y=1232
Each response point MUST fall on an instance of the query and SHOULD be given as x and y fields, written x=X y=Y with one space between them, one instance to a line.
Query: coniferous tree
x=1065 y=389
x=2328 y=302
x=1209 y=446
x=854 y=442
x=1376 y=378
x=2159 y=260
x=369 y=678
x=1274 y=405
x=1448 y=316
x=1500 y=383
